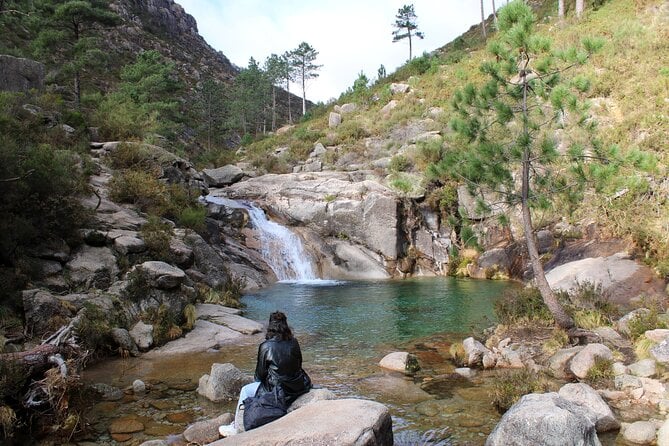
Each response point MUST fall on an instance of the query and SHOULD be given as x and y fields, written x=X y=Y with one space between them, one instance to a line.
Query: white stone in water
x=465 y=372
x=640 y=432
x=138 y=387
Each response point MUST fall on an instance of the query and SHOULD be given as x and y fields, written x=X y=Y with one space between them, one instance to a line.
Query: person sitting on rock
x=279 y=363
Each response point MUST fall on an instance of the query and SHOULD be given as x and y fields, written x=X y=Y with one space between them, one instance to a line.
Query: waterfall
x=281 y=249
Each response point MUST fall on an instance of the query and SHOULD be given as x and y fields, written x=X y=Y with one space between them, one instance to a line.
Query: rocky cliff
x=164 y=26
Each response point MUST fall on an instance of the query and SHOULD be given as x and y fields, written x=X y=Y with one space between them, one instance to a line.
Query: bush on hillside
x=522 y=306
x=42 y=183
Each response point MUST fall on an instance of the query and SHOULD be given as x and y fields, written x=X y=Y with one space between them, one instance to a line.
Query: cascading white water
x=281 y=249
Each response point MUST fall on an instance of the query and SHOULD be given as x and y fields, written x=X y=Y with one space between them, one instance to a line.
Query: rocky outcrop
x=17 y=74
x=619 y=276
x=352 y=225
x=545 y=419
x=345 y=422
x=222 y=176
x=334 y=204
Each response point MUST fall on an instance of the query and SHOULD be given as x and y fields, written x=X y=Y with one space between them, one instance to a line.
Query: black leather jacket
x=281 y=362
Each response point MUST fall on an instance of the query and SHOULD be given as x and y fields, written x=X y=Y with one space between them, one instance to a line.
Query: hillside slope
x=398 y=131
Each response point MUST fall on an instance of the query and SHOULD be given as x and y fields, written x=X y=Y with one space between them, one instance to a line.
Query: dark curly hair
x=278 y=327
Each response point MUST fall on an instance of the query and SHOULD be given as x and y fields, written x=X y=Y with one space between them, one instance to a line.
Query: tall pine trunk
x=410 y=56
x=304 y=94
x=483 y=21
x=494 y=11
x=77 y=89
x=561 y=9
x=580 y=7
x=290 y=116
x=273 y=107
x=562 y=319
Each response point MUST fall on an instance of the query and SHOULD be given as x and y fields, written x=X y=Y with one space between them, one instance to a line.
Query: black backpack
x=265 y=408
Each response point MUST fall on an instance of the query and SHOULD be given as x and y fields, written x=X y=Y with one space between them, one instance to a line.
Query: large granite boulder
x=223 y=176
x=18 y=74
x=345 y=422
x=207 y=261
x=223 y=383
x=545 y=419
x=588 y=398
x=44 y=311
x=203 y=337
x=162 y=275
x=618 y=275
x=92 y=267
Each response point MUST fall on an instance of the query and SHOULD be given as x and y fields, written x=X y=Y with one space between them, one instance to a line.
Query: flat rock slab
x=204 y=336
x=228 y=317
x=345 y=422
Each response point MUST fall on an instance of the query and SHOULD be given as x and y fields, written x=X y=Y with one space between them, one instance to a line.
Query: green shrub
x=190 y=316
x=141 y=189
x=229 y=295
x=350 y=131
x=509 y=387
x=522 y=305
x=590 y=319
x=118 y=117
x=138 y=286
x=132 y=156
x=641 y=323
x=157 y=235
x=402 y=185
x=558 y=340
x=193 y=218
x=165 y=324
x=457 y=352
x=399 y=163
x=601 y=373
x=94 y=328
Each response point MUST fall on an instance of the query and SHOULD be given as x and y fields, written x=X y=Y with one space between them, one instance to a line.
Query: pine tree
x=69 y=30
x=277 y=70
x=209 y=108
x=406 y=27
x=302 y=60
x=508 y=124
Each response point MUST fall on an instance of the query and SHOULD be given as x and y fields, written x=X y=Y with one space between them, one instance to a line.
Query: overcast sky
x=350 y=35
